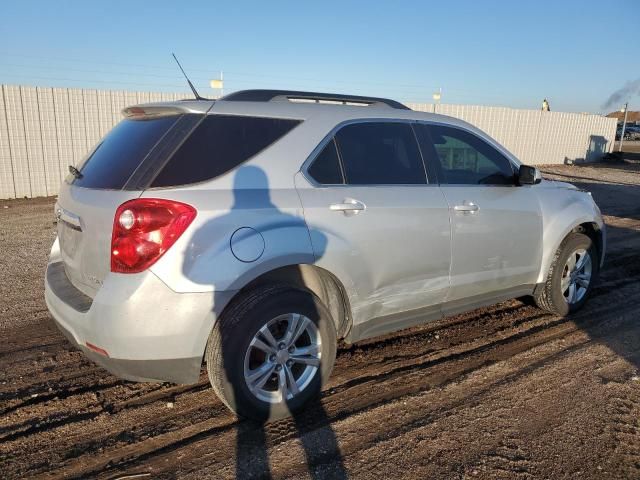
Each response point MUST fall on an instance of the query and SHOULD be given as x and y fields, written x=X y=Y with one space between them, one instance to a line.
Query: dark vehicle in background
x=631 y=132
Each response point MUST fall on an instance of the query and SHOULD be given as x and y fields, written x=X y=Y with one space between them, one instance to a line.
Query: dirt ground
x=503 y=392
x=631 y=146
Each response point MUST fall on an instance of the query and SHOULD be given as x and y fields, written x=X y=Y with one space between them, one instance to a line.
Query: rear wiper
x=75 y=172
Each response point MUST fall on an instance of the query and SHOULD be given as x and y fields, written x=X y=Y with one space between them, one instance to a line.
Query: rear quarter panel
x=202 y=259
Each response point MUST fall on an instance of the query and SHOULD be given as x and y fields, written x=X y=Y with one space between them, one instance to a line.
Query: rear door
x=496 y=241
x=376 y=221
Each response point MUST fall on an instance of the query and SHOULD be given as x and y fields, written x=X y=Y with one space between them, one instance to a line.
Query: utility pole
x=624 y=125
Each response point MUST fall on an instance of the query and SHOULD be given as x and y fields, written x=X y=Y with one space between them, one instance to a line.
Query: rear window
x=219 y=144
x=121 y=152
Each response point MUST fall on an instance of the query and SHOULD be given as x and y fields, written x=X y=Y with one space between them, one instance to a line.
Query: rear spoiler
x=151 y=110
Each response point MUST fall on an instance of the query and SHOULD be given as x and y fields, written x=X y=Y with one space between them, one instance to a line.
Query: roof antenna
x=193 y=89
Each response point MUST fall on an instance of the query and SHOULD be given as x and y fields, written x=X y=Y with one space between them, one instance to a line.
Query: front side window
x=219 y=144
x=468 y=160
x=380 y=153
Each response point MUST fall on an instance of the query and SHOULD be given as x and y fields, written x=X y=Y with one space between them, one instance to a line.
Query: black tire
x=550 y=296
x=233 y=332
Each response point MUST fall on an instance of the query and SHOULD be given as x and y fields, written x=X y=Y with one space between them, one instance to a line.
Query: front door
x=496 y=241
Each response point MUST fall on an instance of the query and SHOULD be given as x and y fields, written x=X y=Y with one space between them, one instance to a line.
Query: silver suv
x=255 y=232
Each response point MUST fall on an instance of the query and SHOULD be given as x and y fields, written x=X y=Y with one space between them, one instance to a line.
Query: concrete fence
x=43 y=130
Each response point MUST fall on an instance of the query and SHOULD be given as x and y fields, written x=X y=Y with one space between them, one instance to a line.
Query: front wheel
x=571 y=276
x=271 y=352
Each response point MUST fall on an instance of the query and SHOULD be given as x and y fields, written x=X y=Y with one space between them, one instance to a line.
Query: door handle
x=348 y=205
x=466 y=207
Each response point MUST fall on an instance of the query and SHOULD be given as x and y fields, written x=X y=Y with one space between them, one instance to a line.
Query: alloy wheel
x=576 y=276
x=283 y=358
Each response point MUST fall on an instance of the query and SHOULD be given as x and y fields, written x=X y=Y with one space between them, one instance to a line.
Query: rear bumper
x=176 y=370
x=148 y=331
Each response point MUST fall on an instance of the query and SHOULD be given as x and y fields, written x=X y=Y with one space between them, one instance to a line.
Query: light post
x=436 y=98
x=624 y=124
x=218 y=84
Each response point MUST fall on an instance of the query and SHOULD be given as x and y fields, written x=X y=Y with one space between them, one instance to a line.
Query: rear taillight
x=144 y=229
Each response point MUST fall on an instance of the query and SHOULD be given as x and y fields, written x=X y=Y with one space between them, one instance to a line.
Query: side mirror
x=528 y=175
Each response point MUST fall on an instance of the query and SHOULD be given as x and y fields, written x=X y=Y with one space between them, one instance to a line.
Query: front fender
x=562 y=213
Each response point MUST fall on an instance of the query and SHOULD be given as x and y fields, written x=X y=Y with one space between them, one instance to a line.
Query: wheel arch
x=591 y=228
x=595 y=233
x=324 y=284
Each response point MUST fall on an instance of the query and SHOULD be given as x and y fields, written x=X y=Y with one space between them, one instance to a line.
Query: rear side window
x=219 y=144
x=325 y=169
x=468 y=160
x=121 y=152
x=384 y=153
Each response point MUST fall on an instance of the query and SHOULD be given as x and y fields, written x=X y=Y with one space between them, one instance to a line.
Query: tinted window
x=380 y=153
x=121 y=151
x=219 y=144
x=325 y=168
x=466 y=159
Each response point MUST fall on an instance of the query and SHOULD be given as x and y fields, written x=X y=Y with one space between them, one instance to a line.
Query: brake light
x=144 y=229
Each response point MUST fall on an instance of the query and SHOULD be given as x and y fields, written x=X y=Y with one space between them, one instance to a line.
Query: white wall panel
x=118 y=102
x=143 y=97
x=33 y=141
x=49 y=138
x=17 y=142
x=78 y=124
x=130 y=98
x=6 y=166
x=64 y=133
x=91 y=121
x=105 y=114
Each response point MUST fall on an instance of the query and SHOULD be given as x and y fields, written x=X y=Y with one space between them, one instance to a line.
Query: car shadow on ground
x=251 y=192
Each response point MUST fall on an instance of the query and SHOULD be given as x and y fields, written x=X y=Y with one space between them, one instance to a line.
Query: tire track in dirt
x=562 y=350
x=162 y=393
x=404 y=418
x=626 y=428
x=402 y=368
x=339 y=404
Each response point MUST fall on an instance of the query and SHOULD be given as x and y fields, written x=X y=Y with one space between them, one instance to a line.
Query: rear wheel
x=571 y=276
x=271 y=351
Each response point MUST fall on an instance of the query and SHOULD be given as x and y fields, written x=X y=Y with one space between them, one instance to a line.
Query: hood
x=550 y=183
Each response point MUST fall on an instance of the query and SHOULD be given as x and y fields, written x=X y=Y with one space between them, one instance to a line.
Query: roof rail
x=315 y=97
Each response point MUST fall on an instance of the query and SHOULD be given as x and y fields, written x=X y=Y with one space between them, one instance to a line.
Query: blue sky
x=510 y=53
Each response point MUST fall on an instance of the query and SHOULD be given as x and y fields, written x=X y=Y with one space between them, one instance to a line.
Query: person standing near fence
x=545 y=106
